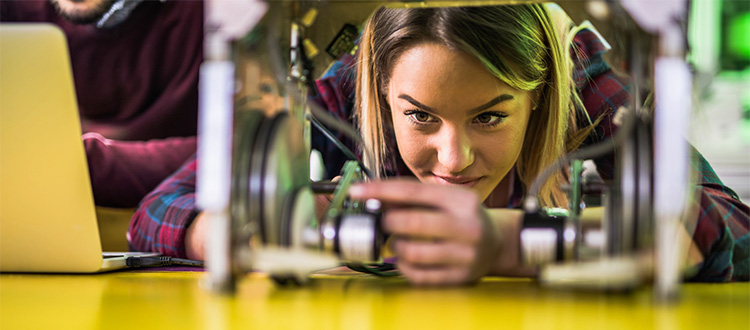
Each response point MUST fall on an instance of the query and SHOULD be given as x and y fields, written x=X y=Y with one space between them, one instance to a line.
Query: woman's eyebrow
x=490 y=104
x=415 y=102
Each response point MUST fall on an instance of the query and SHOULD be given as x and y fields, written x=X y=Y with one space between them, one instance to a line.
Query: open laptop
x=47 y=213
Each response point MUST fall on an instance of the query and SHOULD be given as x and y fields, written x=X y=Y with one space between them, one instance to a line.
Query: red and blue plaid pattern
x=163 y=216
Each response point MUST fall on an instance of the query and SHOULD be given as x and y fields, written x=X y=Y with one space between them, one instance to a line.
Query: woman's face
x=455 y=123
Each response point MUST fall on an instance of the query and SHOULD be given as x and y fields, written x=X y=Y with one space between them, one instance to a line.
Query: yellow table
x=176 y=300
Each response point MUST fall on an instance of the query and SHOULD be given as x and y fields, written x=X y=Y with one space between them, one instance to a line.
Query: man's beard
x=89 y=16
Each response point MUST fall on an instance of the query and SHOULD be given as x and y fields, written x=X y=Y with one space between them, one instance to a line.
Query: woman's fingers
x=430 y=224
x=434 y=276
x=430 y=210
x=411 y=192
x=443 y=236
x=434 y=253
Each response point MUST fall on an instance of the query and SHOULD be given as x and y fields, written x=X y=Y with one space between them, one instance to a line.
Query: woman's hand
x=195 y=237
x=441 y=234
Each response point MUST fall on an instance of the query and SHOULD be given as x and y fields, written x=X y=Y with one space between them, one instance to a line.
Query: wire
x=382 y=270
x=159 y=261
x=348 y=153
x=334 y=122
x=531 y=203
x=318 y=116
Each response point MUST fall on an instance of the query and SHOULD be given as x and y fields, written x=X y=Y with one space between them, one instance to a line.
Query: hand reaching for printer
x=441 y=234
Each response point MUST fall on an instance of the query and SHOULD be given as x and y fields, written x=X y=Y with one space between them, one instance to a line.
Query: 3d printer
x=254 y=146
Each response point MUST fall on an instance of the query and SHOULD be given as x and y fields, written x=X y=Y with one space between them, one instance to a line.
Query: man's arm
x=123 y=172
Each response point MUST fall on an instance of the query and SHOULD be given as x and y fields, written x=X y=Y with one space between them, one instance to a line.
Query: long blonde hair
x=516 y=43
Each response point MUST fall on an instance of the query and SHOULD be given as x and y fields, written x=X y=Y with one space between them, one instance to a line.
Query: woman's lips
x=457 y=180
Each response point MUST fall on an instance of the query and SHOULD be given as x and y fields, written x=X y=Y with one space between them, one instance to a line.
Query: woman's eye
x=484 y=118
x=490 y=119
x=420 y=116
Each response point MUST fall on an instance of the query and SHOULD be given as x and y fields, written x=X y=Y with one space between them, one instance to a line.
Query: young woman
x=473 y=102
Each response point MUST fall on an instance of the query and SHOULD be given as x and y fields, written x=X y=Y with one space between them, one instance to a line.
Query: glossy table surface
x=177 y=300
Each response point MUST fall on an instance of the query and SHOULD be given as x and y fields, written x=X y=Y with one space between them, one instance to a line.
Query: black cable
x=160 y=261
x=323 y=187
x=317 y=115
x=348 y=153
x=531 y=204
x=382 y=270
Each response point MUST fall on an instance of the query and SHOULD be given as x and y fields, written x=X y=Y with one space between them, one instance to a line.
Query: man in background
x=135 y=66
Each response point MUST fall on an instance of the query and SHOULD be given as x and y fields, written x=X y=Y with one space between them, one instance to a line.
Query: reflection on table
x=169 y=300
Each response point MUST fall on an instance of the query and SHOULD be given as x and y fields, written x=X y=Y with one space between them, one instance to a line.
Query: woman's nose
x=454 y=150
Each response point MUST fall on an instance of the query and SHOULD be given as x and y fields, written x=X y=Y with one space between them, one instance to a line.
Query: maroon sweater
x=137 y=81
